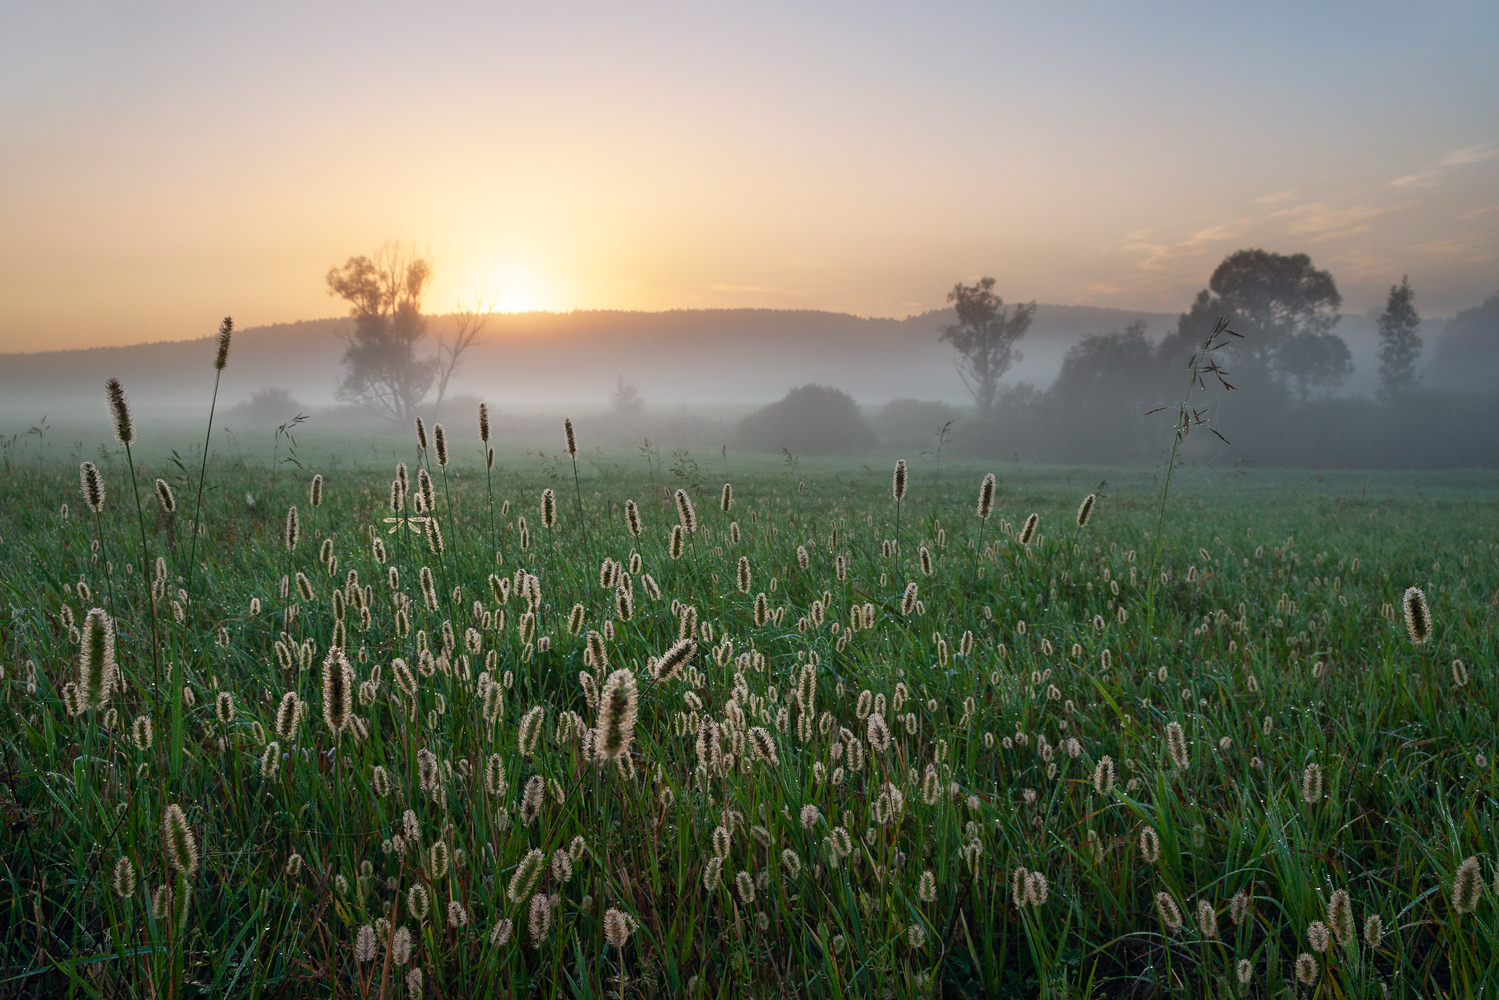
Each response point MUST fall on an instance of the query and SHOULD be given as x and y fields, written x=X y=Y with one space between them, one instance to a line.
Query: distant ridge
x=533 y=359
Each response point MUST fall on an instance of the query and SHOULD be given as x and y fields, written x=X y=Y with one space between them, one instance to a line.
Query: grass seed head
x=291 y=533
x=164 y=496
x=1417 y=616
x=572 y=438
x=898 y=482
x=124 y=878
x=226 y=330
x=1029 y=531
x=618 y=927
x=484 y=422
x=96 y=661
x=1467 y=886
x=1085 y=509
x=617 y=708
x=338 y=690
x=119 y=412
x=91 y=484
x=177 y=840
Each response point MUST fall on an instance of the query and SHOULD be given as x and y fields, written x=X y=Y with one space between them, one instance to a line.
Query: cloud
x=1474 y=249
x=1477 y=212
x=1271 y=199
x=1457 y=158
x=1358 y=265
x=1470 y=154
x=1323 y=221
x=1157 y=255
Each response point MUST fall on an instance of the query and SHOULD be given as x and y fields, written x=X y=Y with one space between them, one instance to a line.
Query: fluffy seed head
x=617 y=928
x=685 y=514
x=617 y=707
x=526 y=873
x=632 y=518
x=1176 y=745
x=96 y=661
x=484 y=422
x=288 y=715
x=1340 y=917
x=572 y=439
x=1171 y=914
x=1029 y=531
x=315 y=491
x=124 y=878
x=548 y=508
x=898 y=483
x=986 y=497
x=1306 y=969
x=1417 y=616
x=1311 y=784
x=1103 y=775
x=1467 y=886
x=91 y=483
x=440 y=442
x=164 y=496
x=421 y=434
x=292 y=531
x=726 y=500
x=177 y=840
x=119 y=412
x=764 y=746
x=1085 y=509
x=338 y=690
x=226 y=329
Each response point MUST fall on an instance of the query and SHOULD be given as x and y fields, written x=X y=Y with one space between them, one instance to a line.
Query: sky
x=165 y=164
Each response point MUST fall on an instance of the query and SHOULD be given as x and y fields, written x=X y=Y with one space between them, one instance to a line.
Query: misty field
x=808 y=741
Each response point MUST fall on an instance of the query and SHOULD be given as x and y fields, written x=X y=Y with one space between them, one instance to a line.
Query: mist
x=697 y=379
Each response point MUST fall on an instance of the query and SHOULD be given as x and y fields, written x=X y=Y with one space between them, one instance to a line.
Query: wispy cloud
x=1457 y=158
x=1472 y=248
x=1158 y=255
x=1471 y=154
x=1322 y=221
x=1273 y=199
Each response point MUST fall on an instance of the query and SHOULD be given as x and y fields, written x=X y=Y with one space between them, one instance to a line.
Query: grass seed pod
x=91 y=484
x=440 y=443
x=685 y=512
x=572 y=438
x=1029 y=531
x=548 y=508
x=632 y=518
x=898 y=483
x=484 y=423
x=226 y=330
x=1417 y=615
x=726 y=500
x=177 y=841
x=96 y=661
x=421 y=434
x=1085 y=509
x=119 y=412
x=292 y=532
x=617 y=707
x=164 y=496
x=338 y=691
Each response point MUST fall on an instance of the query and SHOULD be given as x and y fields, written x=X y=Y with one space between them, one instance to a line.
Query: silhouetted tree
x=984 y=337
x=626 y=402
x=1285 y=308
x=469 y=320
x=1100 y=397
x=1399 y=341
x=383 y=372
x=810 y=420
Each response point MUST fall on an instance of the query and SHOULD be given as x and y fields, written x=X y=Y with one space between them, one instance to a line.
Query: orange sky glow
x=165 y=167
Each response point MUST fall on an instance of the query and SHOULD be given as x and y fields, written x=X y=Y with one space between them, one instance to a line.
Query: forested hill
x=744 y=356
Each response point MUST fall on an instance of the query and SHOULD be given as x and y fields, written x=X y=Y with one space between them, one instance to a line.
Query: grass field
x=1207 y=760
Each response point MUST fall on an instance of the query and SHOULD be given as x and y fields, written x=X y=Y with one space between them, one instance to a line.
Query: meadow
x=647 y=735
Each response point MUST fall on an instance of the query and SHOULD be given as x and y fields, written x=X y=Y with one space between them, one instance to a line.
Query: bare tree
x=385 y=292
x=468 y=322
x=984 y=337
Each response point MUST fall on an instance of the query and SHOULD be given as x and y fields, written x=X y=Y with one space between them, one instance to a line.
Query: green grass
x=1261 y=589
